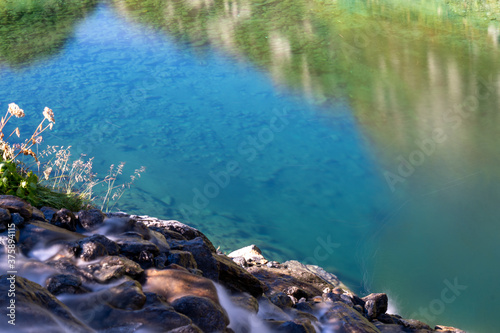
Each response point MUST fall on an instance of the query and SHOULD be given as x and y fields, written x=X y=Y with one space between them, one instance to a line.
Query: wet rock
x=246 y=301
x=37 y=233
x=269 y=311
x=96 y=246
x=281 y=300
x=375 y=304
x=66 y=266
x=414 y=324
x=97 y=312
x=126 y=296
x=64 y=218
x=18 y=220
x=304 y=307
x=159 y=240
x=48 y=212
x=182 y=258
x=203 y=256
x=91 y=219
x=331 y=297
x=295 y=292
x=65 y=284
x=296 y=327
x=186 y=231
x=302 y=316
x=187 y=329
x=114 y=267
x=341 y=318
x=4 y=217
x=294 y=274
x=133 y=247
x=38 y=215
x=177 y=283
x=206 y=314
x=35 y=305
x=349 y=297
x=16 y=205
x=236 y=278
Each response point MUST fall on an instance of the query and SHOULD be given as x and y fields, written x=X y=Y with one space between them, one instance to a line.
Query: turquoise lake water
x=359 y=136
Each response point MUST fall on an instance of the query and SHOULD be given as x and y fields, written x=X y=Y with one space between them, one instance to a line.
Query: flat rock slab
x=177 y=283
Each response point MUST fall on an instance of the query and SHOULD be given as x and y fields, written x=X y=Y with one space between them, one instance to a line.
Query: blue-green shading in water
x=277 y=124
x=124 y=93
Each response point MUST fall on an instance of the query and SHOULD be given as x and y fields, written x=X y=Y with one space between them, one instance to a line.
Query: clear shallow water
x=311 y=105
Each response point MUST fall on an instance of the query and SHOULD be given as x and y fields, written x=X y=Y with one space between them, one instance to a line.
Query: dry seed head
x=47 y=172
x=17 y=132
x=15 y=110
x=48 y=114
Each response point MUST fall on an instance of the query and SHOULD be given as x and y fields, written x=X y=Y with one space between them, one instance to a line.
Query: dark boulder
x=65 y=284
x=90 y=219
x=203 y=256
x=64 y=218
x=206 y=314
x=114 y=267
x=236 y=278
x=341 y=318
x=18 y=220
x=182 y=258
x=375 y=305
x=296 y=327
x=48 y=212
x=96 y=246
x=164 y=226
x=281 y=300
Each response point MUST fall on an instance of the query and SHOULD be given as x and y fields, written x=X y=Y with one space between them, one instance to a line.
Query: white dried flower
x=15 y=110
x=48 y=114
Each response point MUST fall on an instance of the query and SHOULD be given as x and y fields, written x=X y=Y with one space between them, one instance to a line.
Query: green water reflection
x=31 y=30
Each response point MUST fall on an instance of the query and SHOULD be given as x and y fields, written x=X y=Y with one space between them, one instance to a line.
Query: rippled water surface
x=357 y=135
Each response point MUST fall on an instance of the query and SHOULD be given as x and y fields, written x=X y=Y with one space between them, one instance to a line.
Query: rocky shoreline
x=93 y=272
